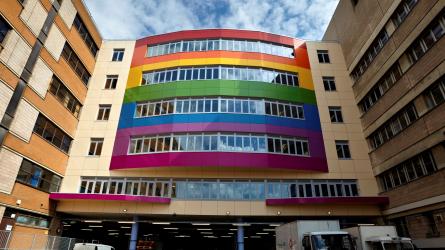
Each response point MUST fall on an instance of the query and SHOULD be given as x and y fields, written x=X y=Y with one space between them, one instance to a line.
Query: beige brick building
x=47 y=53
x=394 y=53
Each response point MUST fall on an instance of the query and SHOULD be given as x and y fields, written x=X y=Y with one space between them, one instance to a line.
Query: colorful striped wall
x=130 y=126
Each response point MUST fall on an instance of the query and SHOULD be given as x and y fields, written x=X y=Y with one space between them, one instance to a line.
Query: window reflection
x=220 y=72
x=220 y=44
x=219 y=105
x=222 y=142
x=220 y=189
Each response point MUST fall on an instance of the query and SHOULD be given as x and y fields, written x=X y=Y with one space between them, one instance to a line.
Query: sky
x=134 y=19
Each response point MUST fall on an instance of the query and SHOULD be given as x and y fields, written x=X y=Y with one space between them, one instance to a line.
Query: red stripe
x=108 y=197
x=216 y=33
x=376 y=200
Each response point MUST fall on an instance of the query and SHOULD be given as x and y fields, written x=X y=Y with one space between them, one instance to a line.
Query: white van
x=91 y=246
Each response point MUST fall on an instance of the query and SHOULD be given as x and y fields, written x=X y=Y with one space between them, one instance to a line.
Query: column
x=134 y=233
x=240 y=238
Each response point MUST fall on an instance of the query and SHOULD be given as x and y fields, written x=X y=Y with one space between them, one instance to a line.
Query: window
x=96 y=146
x=227 y=73
x=32 y=221
x=435 y=95
x=335 y=114
x=73 y=60
x=64 y=96
x=85 y=35
x=343 y=149
x=52 y=133
x=402 y=11
x=428 y=38
x=111 y=81
x=104 y=112
x=382 y=38
x=323 y=56
x=219 y=189
x=370 y=54
x=4 y=29
x=222 y=142
x=33 y=175
x=118 y=55
x=220 y=44
x=382 y=86
x=414 y=168
x=329 y=83
x=211 y=105
x=394 y=126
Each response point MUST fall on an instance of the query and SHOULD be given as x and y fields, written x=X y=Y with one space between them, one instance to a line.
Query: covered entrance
x=177 y=233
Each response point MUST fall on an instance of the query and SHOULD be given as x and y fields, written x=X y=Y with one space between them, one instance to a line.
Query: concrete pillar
x=134 y=234
x=240 y=238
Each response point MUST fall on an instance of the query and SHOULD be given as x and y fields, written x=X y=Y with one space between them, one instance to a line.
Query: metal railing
x=11 y=240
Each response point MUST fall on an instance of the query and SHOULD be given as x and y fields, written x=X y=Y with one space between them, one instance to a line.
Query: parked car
x=91 y=246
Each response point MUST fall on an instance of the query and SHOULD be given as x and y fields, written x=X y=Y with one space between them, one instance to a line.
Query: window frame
x=111 y=82
x=103 y=113
x=118 y=55
x=345 y=152
x=42 y=173
x=335 y=114
x=97 y=143
x=323 y=56
x=329 y=83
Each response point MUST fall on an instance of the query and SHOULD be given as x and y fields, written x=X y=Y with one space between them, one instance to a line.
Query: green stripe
x=219 y=88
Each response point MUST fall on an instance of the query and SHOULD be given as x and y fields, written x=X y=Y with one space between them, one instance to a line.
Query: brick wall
x=425 y=187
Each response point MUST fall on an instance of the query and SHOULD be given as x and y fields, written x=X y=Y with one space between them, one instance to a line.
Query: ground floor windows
x=429 y=224
x=26 y=218
x=220 y=189
x=219 y=105
x=32 y=221
x=221 y=142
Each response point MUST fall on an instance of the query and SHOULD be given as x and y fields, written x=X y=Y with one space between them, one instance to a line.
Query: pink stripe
x=377 y=200
x=123 y=135
x=108 y=197
x=219 y=159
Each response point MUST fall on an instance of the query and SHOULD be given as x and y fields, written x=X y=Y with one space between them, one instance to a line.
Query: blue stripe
x=311 y=121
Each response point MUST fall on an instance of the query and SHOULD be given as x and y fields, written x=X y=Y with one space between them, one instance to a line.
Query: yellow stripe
x=304 y=75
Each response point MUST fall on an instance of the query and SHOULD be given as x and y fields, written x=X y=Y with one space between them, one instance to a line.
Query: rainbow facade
x=226 y=124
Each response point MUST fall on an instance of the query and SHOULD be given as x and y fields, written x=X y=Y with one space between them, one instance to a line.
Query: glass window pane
x=214 y=105
x=207 y=105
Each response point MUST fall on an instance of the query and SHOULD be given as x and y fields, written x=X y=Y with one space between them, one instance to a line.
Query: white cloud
x=133 y=19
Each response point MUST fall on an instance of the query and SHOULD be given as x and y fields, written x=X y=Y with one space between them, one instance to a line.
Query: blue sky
x=133 y=19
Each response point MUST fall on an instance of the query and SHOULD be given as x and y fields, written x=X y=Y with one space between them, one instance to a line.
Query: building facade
x=220 y=134
x=47 y=54
x=394 y=53
x=217 y=134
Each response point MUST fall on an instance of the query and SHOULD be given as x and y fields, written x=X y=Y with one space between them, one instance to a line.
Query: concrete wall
x=359 y=167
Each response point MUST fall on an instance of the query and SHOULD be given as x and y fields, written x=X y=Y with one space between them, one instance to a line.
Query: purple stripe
x=108 y=197
x=377 y=200
x=123 y=135
x=219 y=159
